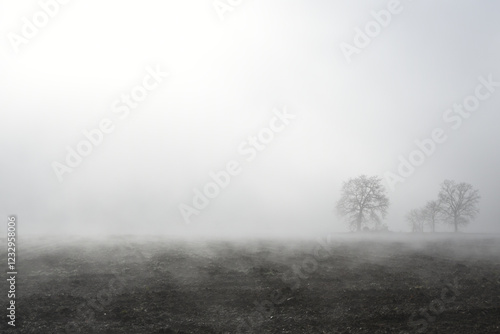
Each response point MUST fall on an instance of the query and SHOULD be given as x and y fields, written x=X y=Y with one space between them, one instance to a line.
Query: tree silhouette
x=416 y=220
x=363 y=200
x=432 y=213
x=458 y=202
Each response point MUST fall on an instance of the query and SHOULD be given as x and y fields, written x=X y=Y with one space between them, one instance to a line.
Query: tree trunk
x=455 y=220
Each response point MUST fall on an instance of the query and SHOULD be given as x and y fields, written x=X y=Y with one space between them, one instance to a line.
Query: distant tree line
x=456 y=205
x=363 y=203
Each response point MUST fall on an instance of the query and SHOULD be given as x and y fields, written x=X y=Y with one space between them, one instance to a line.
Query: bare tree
x=363 y=200
x=432 y=213
x=416 y=220
x=458 y=202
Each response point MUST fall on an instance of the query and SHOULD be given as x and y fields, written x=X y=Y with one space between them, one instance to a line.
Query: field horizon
x=348 y=283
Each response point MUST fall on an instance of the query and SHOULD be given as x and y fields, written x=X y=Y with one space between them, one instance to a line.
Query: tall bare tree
x=416 y=220
x=432 y=213
x=363 y=200
x=459 y=202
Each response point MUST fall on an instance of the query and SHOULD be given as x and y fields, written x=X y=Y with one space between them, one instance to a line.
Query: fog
x=228 y=79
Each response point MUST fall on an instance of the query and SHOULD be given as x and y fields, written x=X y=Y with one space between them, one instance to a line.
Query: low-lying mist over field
x=335 y=284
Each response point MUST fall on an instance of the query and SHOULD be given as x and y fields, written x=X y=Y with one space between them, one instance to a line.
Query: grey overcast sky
x=231 y=69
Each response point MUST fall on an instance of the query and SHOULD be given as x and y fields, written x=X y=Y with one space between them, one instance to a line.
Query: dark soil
x=352 y=285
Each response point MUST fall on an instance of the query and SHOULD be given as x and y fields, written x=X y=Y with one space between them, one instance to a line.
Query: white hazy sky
x=226 y=77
